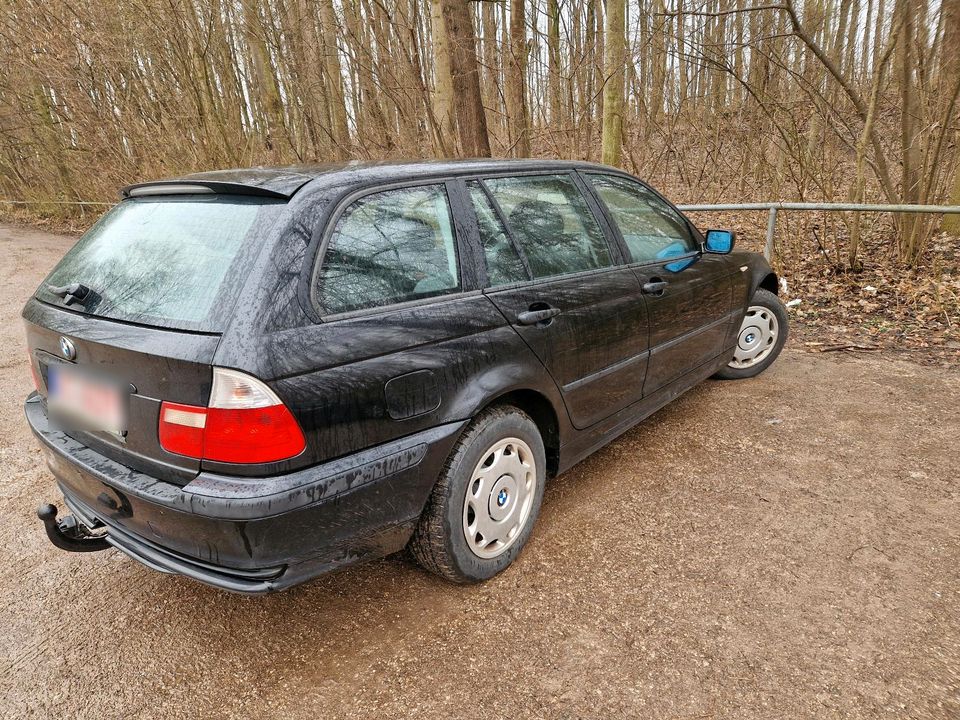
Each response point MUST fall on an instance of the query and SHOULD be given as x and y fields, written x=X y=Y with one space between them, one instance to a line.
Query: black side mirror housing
x=720 y=242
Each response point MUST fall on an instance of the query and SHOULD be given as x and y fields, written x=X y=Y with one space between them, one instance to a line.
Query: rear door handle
x=654 y=287
x=538 y=316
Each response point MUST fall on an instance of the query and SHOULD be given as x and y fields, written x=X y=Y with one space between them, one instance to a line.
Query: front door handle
x=656 y=286
x=538 y=315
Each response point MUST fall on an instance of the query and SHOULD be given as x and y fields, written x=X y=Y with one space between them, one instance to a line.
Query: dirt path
x=782 y=547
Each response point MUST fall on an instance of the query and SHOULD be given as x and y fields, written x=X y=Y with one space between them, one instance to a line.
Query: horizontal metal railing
x=55 y=202
x=773 y=208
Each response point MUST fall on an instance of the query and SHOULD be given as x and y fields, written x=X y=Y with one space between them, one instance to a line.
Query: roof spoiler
x=198 y=187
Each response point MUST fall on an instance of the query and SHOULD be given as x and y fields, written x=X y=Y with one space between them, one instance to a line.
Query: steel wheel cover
x=499 y=497
x=757 y=337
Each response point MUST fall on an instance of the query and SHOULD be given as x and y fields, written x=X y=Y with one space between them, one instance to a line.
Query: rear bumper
x=247 y=534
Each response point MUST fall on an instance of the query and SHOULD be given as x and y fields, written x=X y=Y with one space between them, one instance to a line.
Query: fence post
x=771 y=228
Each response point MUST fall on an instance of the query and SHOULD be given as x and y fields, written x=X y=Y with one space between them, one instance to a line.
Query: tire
x=445 y=541
x=756 y=349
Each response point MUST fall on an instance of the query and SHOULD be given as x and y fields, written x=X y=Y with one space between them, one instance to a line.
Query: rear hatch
x=135 y=311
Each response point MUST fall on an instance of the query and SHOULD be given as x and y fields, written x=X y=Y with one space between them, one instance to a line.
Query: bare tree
x=516 y=83
x=465 y=79
x=713 y=99
x=950 y=68
x=614 y=66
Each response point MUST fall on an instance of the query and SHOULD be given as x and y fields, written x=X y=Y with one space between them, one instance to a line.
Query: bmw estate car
x=252 y=377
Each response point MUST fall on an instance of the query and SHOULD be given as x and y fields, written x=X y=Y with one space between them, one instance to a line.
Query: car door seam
x=727 y=317
x=619 y=365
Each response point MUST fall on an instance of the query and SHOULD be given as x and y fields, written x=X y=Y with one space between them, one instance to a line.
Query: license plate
x=84 y=401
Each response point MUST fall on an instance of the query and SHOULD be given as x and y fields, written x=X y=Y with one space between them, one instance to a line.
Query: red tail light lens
x=251 y=436
x=245 y=422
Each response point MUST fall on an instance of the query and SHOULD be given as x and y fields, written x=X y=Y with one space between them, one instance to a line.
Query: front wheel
x=760 y=339
x=483 y=507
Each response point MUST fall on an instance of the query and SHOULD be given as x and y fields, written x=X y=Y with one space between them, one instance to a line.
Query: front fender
x=752 y=271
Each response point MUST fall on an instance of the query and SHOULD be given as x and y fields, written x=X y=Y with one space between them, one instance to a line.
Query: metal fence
x=55 y=202
x=773 y=208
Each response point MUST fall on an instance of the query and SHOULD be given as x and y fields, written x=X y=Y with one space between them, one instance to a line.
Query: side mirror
x=720 y=241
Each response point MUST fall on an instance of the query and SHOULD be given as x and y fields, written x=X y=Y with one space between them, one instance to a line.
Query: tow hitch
x=68 y=533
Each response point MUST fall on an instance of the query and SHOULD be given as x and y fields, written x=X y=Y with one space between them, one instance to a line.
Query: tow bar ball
x=67 y=533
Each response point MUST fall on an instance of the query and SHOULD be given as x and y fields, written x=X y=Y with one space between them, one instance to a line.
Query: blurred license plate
x=84 y=401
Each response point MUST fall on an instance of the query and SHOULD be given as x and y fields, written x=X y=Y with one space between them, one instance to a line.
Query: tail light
x=244 y=422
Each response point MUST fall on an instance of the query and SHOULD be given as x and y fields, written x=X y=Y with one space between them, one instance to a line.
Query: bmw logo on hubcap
x=67 y=349
x=502 y=498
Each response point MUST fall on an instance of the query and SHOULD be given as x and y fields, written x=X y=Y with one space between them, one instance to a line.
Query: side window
x=651 y=229
x=390 y=247
x=551 y=222
x=504 y=265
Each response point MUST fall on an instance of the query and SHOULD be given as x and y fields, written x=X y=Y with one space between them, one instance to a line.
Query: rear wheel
x=483 y=507
x=760 y=339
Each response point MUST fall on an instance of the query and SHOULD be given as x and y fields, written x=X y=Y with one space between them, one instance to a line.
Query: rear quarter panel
x=360 y=381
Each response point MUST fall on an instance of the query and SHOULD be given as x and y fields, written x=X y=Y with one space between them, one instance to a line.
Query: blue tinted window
x=651 y=229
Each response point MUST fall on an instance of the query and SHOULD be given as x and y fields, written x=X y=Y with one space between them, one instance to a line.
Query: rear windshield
x=161 y=261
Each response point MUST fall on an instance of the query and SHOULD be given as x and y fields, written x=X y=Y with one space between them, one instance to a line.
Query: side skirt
x=587 y=442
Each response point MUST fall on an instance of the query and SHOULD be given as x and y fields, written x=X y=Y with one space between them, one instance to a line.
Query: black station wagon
x=251 y=377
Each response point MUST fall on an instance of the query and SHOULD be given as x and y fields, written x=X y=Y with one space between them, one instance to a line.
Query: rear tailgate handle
x=538 y=316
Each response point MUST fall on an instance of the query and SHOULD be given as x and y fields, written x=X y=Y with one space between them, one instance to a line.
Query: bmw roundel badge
x=67 y=348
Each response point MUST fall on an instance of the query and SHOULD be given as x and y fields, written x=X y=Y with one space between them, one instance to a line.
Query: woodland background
x=710 y=100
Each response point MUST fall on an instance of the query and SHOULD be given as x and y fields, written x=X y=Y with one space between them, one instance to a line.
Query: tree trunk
x=334 y=79
x=613 y=64
x=491 y=70
x=264 y=81
x=442 y=74
x=553 y=55
x=909 y=135
x=516 y=82
x=465 y=79
x=949 y=71
x=658 y=61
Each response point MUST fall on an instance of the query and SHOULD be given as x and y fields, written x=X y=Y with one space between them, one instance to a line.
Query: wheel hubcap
x=757 y=338
x=499 y=497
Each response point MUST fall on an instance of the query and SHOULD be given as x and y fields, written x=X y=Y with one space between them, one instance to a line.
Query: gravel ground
x=787 y=546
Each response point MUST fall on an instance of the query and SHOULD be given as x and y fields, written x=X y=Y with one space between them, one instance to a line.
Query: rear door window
x=651 y=228
x=552 y=224
x=162 y=261
x=504 y=265
x=390 y=247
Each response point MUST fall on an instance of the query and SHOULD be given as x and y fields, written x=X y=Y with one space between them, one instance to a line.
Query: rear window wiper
x=74 y=292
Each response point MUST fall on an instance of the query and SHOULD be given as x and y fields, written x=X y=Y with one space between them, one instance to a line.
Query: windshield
x=159 y=261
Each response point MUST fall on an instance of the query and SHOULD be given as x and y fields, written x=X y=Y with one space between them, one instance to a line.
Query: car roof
x=284 y=182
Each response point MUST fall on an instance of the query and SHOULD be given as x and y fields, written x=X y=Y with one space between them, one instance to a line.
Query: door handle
x=656 y=286
x=538 y=315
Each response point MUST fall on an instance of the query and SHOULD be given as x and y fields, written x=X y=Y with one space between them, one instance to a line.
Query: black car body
x=380 y=391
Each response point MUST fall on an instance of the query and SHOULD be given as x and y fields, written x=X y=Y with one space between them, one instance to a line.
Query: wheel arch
x=544 y=415
x=770 y=282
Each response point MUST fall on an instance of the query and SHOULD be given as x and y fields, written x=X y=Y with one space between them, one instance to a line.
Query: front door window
x=651 y=228
x=552 y=224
